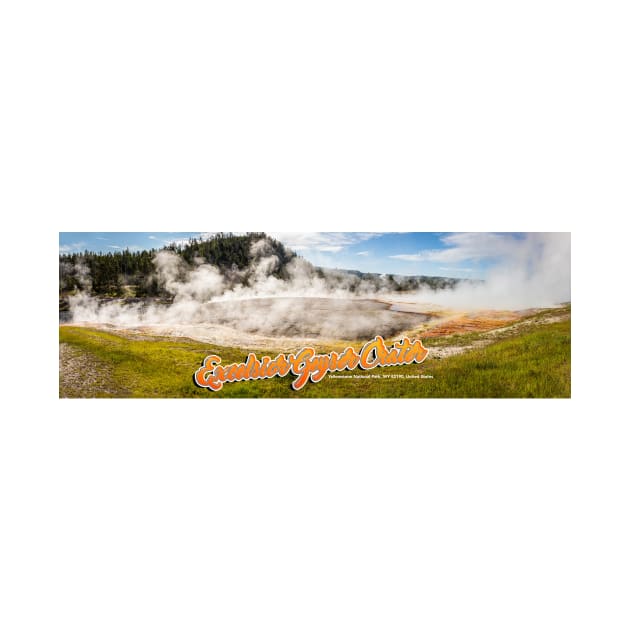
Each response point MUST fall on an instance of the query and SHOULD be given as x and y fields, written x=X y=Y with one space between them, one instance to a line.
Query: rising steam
x=532 y=271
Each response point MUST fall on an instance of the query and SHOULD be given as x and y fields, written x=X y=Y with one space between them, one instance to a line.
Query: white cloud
x=410 y=257
x=114 y=246
x=71 y=248
x=363 y=253
x=473 y=246
x=322 y=241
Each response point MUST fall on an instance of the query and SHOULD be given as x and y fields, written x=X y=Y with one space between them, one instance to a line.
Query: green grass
x=535 y=363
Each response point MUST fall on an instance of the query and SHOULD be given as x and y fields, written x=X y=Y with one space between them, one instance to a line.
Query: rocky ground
x=80 y=372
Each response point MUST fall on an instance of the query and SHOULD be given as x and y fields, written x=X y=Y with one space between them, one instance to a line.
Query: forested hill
x=224 y=250
x=133 y=274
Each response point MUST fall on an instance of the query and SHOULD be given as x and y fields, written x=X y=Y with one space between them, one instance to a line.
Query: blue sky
x=453 y=254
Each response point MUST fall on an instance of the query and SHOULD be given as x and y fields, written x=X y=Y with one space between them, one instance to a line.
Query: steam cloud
x=532 y=271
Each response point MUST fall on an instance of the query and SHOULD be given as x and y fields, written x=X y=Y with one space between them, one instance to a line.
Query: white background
x=336 y=116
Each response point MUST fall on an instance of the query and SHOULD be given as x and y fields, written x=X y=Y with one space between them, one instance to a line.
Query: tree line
x=133 y=273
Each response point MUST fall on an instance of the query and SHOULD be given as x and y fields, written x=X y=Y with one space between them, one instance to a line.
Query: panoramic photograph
x=314 y=315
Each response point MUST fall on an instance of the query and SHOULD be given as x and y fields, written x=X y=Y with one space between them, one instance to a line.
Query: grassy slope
x=535 y=363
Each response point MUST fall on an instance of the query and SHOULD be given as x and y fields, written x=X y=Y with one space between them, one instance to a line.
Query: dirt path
x=81 y=375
